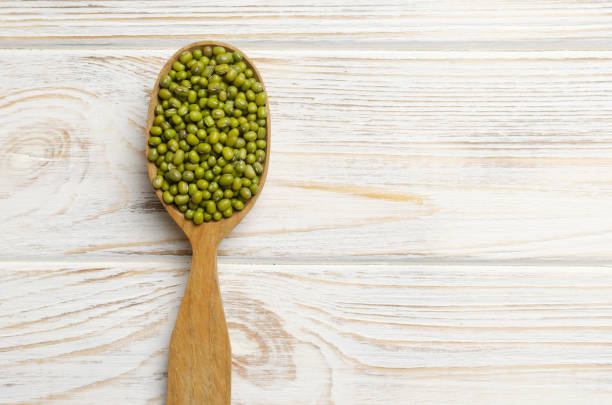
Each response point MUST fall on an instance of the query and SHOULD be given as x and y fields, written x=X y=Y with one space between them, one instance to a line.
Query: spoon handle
x=199 y=363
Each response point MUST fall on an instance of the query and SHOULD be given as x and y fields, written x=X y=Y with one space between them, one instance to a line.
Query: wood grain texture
x=409 y=155
x=199 y=357
x=314 y=334
x=419 y=24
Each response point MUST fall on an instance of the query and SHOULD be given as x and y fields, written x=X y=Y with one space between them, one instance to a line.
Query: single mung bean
x=158 y=181
x=240 y=166
x=223 y=122
x=202 y=184
x=194 y=157
x=208 y=71
x=197 y=197
x=181 y=199
x=260 y=155
x=261 y=112
x=217 y=195
x=179 y=157
x=241 y=103
x=188 y=176
x=186 y=57
x=203 y=148
x=228 y=169
x=174 y=175
x=155 y=141
x=223 y=204
x=168 y=197
x=250 y=136
x=236 y=184
x=173 y=145
x=165 y=94
x=261 y=99
x=176 y=120
x=228 y=153
x=184 y=145
x=198 y=217
x=249 y=172
x=191 y=129
x=213 y=186
x=155 y=131
x=245 y=193
x=195 y=116
x=226 y=180
x=183 y=187
x=192 y=140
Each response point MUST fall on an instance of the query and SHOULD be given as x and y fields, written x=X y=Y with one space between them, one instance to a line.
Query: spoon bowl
x=225 y=225
x=199 y=361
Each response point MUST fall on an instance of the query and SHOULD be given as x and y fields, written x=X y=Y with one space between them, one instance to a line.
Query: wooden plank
x=510 y=24
x=410 y=155
x=74 y=333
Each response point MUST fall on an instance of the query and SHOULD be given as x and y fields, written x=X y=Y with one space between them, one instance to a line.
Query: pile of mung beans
x=208 y=138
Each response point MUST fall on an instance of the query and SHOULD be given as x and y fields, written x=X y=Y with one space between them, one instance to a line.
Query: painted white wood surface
x=477 y=155
x=316 y=333
x=435 y=228
x=387 y=24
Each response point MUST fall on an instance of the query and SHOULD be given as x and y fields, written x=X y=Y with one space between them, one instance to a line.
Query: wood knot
x=262 y=350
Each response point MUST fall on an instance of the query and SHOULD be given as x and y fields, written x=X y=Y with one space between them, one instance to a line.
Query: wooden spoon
x=199 y=364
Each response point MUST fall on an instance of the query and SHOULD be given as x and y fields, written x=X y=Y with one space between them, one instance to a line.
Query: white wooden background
x=436 y=227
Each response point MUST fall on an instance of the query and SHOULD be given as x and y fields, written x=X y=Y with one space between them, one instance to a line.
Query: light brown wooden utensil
x=199 y=364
